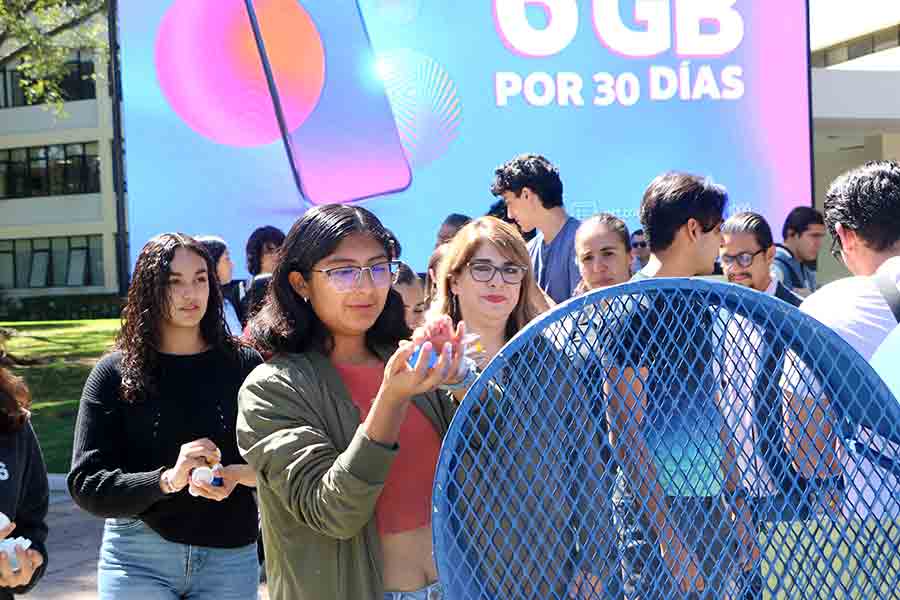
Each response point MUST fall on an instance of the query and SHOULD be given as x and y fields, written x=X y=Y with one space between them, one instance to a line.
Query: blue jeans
x=135 y=562
x=432 y=592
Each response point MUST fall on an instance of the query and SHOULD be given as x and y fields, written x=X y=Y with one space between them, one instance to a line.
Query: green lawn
x=71 y=349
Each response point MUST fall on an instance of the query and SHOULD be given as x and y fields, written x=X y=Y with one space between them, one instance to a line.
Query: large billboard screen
x=242 y=113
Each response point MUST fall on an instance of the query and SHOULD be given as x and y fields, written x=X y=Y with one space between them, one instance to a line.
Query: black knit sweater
x=121 y=449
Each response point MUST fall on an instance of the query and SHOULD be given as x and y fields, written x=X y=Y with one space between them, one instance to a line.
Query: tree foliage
x=38 y=37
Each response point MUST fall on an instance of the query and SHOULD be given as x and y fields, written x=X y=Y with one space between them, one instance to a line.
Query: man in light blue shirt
x=533 y=192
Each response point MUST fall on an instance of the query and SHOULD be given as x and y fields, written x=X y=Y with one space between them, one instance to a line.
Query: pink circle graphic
x=425 y=102
x=209 y=69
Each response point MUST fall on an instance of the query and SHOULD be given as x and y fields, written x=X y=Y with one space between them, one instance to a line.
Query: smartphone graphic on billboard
x=348 y=147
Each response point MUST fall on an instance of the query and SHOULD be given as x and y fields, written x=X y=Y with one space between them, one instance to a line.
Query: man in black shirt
x=674 y=525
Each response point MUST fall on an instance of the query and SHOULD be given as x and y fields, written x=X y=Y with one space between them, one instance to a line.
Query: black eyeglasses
x=744 y=259
x=639 y=244
x=345 y=279
x=484 y=272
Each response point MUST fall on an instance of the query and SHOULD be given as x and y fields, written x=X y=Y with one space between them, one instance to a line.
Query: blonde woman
x=485 y=279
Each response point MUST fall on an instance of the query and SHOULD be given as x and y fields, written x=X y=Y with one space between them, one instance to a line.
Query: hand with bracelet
x=199 y=453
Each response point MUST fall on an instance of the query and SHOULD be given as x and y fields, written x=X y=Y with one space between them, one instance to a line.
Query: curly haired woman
x=161 y=405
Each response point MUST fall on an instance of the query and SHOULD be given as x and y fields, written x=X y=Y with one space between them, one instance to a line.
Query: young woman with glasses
x=486 y=281
x=161 y=405
x=342 y=431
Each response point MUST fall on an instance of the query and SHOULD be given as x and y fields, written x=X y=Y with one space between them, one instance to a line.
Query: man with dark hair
x=862 y=212
x=803 y=233
x=747 y=254
x=453 y=223
x=640 y=251
x=682 y=215
x=750 y=360
x=674 y=523
x=262 y=254
x=533 y=192
x=498 y=211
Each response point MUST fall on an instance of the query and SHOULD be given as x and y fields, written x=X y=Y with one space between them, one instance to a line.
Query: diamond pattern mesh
x=672 y=439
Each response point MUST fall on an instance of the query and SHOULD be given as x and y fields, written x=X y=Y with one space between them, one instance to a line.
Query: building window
x=7 y=265
x=50 y=170
x=77 y=84
x=75 y=261
x=38 y=184
x=56 y=170
x=17 y=185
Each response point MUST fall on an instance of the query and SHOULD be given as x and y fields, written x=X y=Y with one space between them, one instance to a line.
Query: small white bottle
x=208 y=476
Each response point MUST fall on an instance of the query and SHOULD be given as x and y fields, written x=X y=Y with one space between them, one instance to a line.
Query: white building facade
x=856 y=92
x=58 y=219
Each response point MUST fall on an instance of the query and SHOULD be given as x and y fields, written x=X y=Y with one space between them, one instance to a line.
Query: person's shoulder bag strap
x=888 y=288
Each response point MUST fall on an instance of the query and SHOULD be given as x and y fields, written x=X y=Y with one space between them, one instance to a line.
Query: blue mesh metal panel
x=672 y=439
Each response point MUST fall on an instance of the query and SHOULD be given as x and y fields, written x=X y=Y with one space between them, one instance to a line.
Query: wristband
x=166 y=480
x=471 y=375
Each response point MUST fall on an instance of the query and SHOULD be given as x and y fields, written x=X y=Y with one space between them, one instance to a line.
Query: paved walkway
x=73 y=544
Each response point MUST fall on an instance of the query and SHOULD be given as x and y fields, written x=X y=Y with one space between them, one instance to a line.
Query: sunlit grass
x=70 y=349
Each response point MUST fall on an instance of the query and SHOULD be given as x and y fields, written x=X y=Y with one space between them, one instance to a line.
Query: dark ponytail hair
x=215 y=245
x=287 y=323
x=613 y=224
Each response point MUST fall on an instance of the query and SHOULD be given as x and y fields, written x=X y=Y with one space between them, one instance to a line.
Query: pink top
x=405 y=501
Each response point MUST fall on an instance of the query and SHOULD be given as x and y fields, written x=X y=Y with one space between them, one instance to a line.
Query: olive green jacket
x=318 y=477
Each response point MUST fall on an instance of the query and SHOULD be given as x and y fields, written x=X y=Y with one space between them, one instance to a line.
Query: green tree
x=37 y=38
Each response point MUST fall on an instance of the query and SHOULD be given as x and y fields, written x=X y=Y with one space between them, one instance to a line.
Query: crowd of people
x=318 y=392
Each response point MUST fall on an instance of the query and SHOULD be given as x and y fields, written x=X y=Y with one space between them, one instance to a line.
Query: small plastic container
x=471 y=344
x=206 y=475
x=9 y=547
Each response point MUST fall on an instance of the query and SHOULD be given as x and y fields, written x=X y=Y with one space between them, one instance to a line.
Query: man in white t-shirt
x=862 y=213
